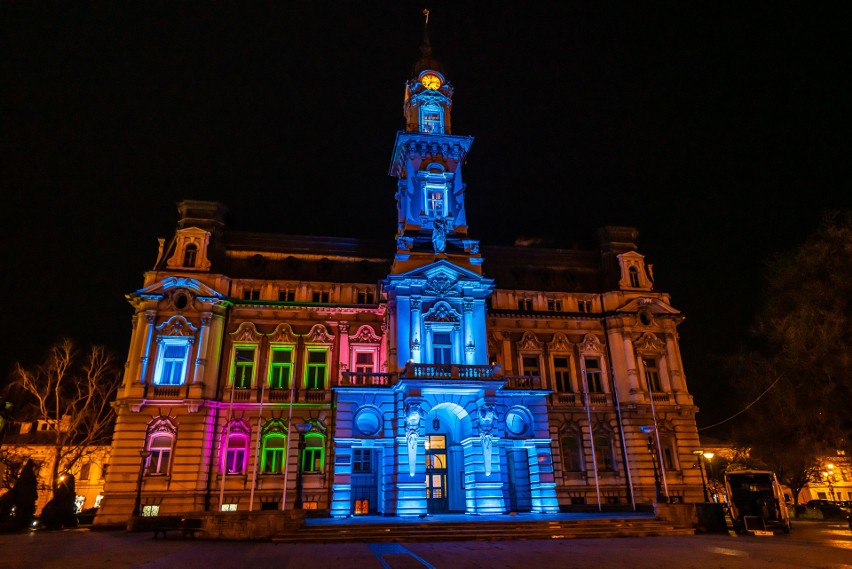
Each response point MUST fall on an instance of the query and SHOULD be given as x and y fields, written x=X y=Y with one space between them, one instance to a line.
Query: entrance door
x=520 y=494
x=436 y=474
x=364 y=482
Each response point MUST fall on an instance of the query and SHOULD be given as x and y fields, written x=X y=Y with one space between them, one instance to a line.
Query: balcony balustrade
x=166 y=391
x=661 y=397
x=364 y=379
x=522 y=381
x=278 y=395
x=316 y=396
x=448 y=371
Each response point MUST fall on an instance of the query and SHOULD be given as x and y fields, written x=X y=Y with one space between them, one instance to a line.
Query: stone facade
x=422 y=376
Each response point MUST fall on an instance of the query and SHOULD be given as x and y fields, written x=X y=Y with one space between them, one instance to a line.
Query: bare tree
x=70 y=391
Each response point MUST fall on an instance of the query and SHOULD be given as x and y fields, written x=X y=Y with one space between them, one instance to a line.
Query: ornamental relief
x=441 y=285
x=442 y=312
x=530 y=342
x=649 y=343
x=177 y=326
x=365 y=335
x=246 y=333
x=590 y=345
x=319 y=335
x=560 y=343
x=283 y=333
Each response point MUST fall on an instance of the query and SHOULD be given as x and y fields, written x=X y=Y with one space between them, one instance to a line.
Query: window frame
x=273 y=366
x=320 y=449
x=600 y=383
x=267 y=451
x=235 y=450
x=313 y=366
x=568 y=376
x=235 y=365
x=608 y=459
x=428 y=124
x=163 y=467
x=577 y=455
x=190 y=256
x=163 y=344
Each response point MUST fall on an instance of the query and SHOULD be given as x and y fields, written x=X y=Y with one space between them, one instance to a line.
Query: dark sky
x=715 y=128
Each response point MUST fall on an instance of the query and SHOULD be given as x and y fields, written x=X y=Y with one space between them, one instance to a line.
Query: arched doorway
x=447 y=425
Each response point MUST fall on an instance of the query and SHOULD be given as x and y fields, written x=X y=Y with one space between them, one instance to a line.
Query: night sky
x=715 y=128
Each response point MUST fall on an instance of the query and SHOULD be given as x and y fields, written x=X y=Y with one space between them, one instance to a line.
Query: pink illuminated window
x=235 y=459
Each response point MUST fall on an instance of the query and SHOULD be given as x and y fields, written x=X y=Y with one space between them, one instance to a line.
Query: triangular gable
x=439 y=268
x=653 y=305
x=161 y=287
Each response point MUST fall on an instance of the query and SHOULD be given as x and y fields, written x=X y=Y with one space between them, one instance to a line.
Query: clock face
x=431 y=81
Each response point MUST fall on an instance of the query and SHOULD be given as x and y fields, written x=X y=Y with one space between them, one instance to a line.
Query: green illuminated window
x=316 y=370
x=313 y=457
x=272 y=460
x=281 y=368
x=243 y=368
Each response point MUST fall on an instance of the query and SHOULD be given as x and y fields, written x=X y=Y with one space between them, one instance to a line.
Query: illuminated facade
x=273 y=372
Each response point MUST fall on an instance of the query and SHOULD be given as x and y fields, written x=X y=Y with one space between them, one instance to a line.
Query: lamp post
x=302 y=429
x=829 y=477
x=652 y=448
x=699 y=454
x=137 y=506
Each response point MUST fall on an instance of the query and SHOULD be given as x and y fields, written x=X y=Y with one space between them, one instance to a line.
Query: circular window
x=518 y=421
x=368 y=421
x=181 y=301
x=645 y=318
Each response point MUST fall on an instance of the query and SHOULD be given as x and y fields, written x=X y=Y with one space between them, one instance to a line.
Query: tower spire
x=426 y=47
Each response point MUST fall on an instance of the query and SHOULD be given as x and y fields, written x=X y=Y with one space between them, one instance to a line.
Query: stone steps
x=481 y=531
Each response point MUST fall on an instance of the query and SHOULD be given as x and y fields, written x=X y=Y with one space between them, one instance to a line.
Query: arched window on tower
x=633 y=274
x=190 y=254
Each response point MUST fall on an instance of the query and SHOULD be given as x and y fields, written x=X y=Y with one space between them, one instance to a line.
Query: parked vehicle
x=756 y=501
x=831 y=509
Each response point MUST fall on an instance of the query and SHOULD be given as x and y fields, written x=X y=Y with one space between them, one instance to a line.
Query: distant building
x=425 y=375
x=34 y=440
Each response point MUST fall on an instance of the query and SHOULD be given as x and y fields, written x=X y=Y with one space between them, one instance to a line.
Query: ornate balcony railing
x=316 y=396
x=522 y=381
x=598 y=399
x=660 y=397
x=364 y=379
x=278 y=395
x=448 y=371
x=241 y=395
x=166 y=391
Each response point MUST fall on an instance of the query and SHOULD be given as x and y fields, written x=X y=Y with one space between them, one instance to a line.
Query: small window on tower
x=634 y=276
x=435 y=201
x=251 y=294
x=366 y=297
x=190 y=253
x=432 y=119
x=584 y=305
x=320 y=296
x=287 y=295
x=554 y=305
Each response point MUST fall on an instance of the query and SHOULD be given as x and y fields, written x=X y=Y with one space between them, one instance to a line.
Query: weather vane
x=426 y=13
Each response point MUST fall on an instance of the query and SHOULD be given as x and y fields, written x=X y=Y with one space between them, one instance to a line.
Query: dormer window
x=432 y=119
x=190 y=254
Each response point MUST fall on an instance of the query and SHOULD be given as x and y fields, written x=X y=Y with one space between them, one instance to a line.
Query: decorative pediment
x=442 y=312
x=198 y=240
x=530 y=342
x=247 y=333
x=177 y=325
x=365 y=335
x=441 y=279
x=319 y=335
x=283 y=334
x=649 y=342
x=162 y=425
x=651 y=304
x=590 y=345
x=193 y=286
x=273 y=426
x=238 y=427
x=559 y=343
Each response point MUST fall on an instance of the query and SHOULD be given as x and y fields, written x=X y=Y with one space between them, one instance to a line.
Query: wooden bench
x=188 y=527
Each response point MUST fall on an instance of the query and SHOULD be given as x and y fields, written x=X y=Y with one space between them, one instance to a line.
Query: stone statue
x=439 y=234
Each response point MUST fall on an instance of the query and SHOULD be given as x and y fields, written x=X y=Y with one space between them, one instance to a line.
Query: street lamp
x=652 y=448
x=137 y=507
x=829 y=477
x=708 y=455
x=302 y=429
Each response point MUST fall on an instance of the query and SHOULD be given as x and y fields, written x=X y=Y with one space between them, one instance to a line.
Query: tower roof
x=427 y=60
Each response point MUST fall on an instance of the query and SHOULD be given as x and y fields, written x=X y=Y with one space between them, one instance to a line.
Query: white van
x=756 y=501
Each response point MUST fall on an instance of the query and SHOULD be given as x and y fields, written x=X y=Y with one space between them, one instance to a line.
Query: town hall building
x=422 y=375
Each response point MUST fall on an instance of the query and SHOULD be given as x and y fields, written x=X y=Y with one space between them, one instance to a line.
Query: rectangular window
x=161 y=452
x=312 y=456
x=603 y=453
x=561 y=375
x=554 y=305
x=594 y=380
x=281 y=368
x=431 y=122
x=442 y=348
x=584 y=305
x=287 y=295
x=243 y=368
x=652 y=374
x=320 y=296
x=364 y=362
x=85 y=472
x=235 y=460
x=530 y=366
x=571 y=455
x=273 y=454
x=668 y=458
x=150 y=511
x=173 y=364
x=251 y=294
x=229 y=507
x=362 y=460
x=366 y=297
x=315 y=371
x=435 y=201
x=525 y=304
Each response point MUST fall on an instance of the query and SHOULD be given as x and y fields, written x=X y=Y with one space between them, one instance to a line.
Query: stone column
x=343 y=357
x=469 y=332
x=416 y=329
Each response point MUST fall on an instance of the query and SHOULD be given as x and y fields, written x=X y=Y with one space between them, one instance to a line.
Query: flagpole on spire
x=426 y=48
